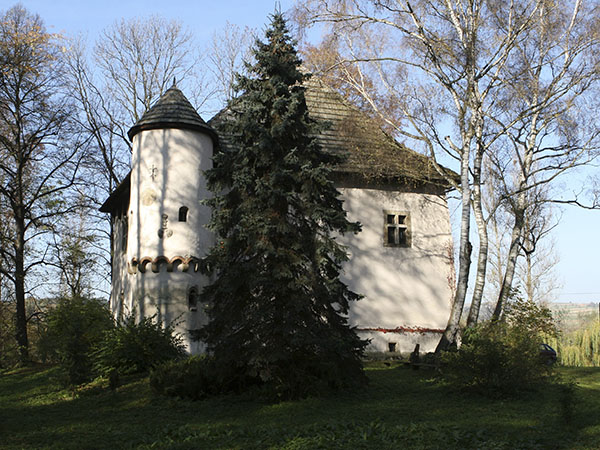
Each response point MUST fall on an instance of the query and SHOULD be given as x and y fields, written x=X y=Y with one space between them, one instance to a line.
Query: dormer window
x=183 y=211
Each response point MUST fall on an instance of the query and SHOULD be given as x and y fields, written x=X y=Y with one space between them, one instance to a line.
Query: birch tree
x=548 y=129
x=455 y=70
x=439 y=61
x=535 y=275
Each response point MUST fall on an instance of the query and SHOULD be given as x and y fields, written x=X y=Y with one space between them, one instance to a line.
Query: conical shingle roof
x=172 y=110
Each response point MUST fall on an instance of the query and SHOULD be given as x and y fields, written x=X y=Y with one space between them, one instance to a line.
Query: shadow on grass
x=399 y=408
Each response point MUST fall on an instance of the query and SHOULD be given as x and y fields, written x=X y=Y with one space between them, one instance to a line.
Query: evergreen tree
x=278 y=307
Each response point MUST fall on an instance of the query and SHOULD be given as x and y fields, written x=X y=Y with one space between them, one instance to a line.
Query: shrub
x=534 y=317
x=132 y=347
x=496 y=359
x=9 y=354
x=503 y=357
x=302 y=374
x=199 y=377
x=74 y=327
x=194 y=378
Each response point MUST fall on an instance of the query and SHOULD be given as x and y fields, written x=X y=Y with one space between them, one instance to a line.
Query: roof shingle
x=172 y=110
x=370 y=152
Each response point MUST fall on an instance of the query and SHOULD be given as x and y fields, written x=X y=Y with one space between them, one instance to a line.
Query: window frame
x=397 y=225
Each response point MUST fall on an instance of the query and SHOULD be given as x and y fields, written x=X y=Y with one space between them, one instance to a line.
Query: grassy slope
x=399 y=409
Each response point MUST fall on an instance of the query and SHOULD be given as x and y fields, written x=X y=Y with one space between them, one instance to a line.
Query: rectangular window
x=396 y=229
x=124 y=231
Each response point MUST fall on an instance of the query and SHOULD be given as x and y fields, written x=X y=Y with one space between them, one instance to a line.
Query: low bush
x=199 y=377
x=194 y=378
x=9 y=350
x=496 y=359
x=74 y=327
x=132 y=347
x=501 y=358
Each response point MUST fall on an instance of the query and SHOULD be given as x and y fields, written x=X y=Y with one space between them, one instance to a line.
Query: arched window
x=183 y=214
x=193 y=298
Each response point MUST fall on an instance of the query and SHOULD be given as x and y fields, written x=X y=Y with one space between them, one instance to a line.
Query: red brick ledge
x=420 y=330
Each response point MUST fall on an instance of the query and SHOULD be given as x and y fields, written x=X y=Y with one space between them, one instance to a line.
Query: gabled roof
x=172 y=110
x=371 y=153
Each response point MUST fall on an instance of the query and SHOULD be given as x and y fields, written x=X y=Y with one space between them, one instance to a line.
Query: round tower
x=171 y=148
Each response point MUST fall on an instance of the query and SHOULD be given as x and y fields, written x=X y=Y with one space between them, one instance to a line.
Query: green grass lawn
x=400 y=408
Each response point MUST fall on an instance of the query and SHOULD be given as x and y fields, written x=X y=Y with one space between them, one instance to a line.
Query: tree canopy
x=278 y=308
x=40 y=152
x=502 y=87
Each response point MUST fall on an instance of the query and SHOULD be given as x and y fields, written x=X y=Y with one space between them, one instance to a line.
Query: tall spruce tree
x=277 y=308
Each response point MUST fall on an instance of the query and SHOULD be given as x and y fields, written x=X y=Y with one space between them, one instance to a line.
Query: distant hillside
x=571 y=316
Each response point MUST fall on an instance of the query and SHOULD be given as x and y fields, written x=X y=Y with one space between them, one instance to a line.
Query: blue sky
x=577 y=236
x=201 y=16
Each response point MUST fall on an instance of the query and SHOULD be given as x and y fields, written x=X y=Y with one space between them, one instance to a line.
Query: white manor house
x=401 y=261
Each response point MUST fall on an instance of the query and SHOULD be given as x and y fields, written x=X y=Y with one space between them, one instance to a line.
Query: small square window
x=396 y=229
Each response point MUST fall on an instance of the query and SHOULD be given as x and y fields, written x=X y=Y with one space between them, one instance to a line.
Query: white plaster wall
x=167 y=173
x=402 y=286
x=164 y=295
x=405 y=342
x=119 y=271
x=410 y=287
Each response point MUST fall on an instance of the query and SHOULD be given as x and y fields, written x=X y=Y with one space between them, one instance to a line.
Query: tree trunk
x=511 y=261
x=21 y=317
x=452 y=327
x=519 y=208
x=483 y=250
x=529 y=289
